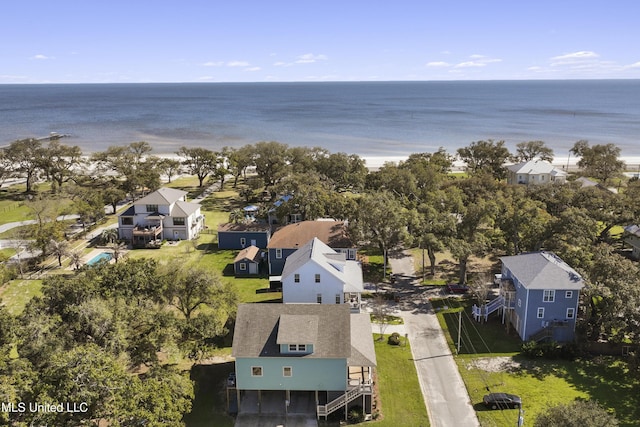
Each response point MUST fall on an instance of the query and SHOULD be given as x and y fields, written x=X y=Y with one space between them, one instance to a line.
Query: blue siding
x=307 y=374
x=231 y=239
x=276 y=265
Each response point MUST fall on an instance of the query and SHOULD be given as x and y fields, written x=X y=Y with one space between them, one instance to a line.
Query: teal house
x=302 y=358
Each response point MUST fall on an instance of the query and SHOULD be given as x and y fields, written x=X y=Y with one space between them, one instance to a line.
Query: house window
x=152 y=208
x=287 y=371
x=127 y=220
x=519 y=302
x=278 y=253
x=351 y=254
x=256 y=371
x=568 y=294
x=540 y=312
x=296 y=278
x=243 y=242
x=549 y=295
x=178 y=220
x=338 y=299
x=243 y=266
x=319 y=298
x=571 y=313
x=317 y=278
x=297 y=347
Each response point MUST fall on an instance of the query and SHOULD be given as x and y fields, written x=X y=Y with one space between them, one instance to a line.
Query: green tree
x=579 y=413
x=270 y=159
x=485 y=156
x=169 y=167
x=600 y=161
x=238 y=161
x=59 y=162
x=199 y=162
x=59 y=249
x=531 y=150
x=24 y=156
x=523 y=221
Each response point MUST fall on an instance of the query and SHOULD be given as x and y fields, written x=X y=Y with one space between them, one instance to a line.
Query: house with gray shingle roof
x=540 y=294
x=632 y=238
x=535 y=172
x=314 y=356
x=163 y=214
x=315 y=273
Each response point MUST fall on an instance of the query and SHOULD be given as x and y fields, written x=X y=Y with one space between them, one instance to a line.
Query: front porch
x=149 y=234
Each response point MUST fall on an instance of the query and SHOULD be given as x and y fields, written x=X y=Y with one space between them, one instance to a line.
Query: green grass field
x=16 y=294
x=541 y=383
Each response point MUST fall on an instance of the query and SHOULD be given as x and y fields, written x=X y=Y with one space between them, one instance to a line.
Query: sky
x=114 y=41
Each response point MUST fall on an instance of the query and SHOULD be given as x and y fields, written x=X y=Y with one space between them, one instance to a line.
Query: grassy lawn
x=16 y=294
x=400 y=401
x=541 y=383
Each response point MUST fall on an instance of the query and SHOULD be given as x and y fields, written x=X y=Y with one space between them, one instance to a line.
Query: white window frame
x=243 y=241
x=243 y=266
x=571 y=313
x=278 y=253
x=568 y=294
x=317 y=278
x=519 y=302
x=549 y=295
x=287 y=371
x=297 y=348
x=540 y=313
x=256 y=371
x=351 y=254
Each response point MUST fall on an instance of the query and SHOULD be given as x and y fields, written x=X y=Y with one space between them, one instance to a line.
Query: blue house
x=243 y=235
x=302 y=358
x=539 y=296
x=288 y=239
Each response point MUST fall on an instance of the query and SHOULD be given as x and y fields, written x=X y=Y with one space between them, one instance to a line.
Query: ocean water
x=372 y=119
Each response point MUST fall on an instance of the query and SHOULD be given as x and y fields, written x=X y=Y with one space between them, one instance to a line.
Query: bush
x=355 y=415
x=549 y=350
x=394 y=339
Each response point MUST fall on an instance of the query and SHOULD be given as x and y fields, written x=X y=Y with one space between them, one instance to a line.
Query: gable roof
x=250 y=253
x=536 y=167
x=363 y=352
x=293 y=236
x=543 y=270
x=348 y=272
x=240 y=227
x=162 y=196
x=298 y=329
x=181 y=208
x=259 y=325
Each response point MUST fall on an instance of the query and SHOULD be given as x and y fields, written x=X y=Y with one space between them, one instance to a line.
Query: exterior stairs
x=485 y=310
x=349 y=396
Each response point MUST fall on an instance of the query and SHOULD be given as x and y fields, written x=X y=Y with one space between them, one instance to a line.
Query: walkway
x=444 y=391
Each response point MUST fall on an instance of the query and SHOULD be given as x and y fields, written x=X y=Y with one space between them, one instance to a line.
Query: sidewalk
x=444 y=392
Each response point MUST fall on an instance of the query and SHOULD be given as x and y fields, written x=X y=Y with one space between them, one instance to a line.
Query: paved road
x=444 y=391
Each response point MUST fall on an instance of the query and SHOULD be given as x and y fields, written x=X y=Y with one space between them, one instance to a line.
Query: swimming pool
x=101 y=257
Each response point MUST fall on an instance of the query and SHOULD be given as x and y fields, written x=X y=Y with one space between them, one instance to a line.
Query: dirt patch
x=495 y=364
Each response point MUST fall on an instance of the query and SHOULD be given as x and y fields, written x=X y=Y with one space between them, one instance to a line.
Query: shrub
x=355 y=415
x=394 y=339
x=549 y=350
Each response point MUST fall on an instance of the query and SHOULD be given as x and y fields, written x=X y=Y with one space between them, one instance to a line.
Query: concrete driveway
x=444 y=392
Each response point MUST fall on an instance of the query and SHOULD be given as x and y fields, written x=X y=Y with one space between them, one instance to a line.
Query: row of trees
x=83 y=339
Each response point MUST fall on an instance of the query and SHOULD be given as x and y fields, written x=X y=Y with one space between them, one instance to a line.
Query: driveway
x=444 y=392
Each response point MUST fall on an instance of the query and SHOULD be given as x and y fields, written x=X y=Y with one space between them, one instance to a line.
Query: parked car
x=502 y=401
x=456 y=288
x=231 y=379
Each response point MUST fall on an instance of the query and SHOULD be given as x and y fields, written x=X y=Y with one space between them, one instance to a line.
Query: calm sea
x=377 y=119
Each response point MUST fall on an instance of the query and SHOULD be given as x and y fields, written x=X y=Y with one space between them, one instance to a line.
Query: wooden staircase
x=349 y=396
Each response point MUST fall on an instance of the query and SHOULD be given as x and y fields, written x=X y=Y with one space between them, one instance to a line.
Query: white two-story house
x=315 y=273
x=164 y=214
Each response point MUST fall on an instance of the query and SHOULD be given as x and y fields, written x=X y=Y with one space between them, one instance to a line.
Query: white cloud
x=309 y=58
x=280 y=64
x=41 y=57
x=253 y=69
x=470 y=64
x=437 y=64
x=477 y=61
x=237 y=64
x=634 y=65
x=213 y=64
x=571 y=57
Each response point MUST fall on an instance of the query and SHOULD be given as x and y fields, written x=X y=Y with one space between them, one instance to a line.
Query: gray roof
x=363 y=352
x=543 y=270
x=184 y=208
x=298 y=329
x=258 y=328
x=336 y=264
x=162 y=196
x=536 y=167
